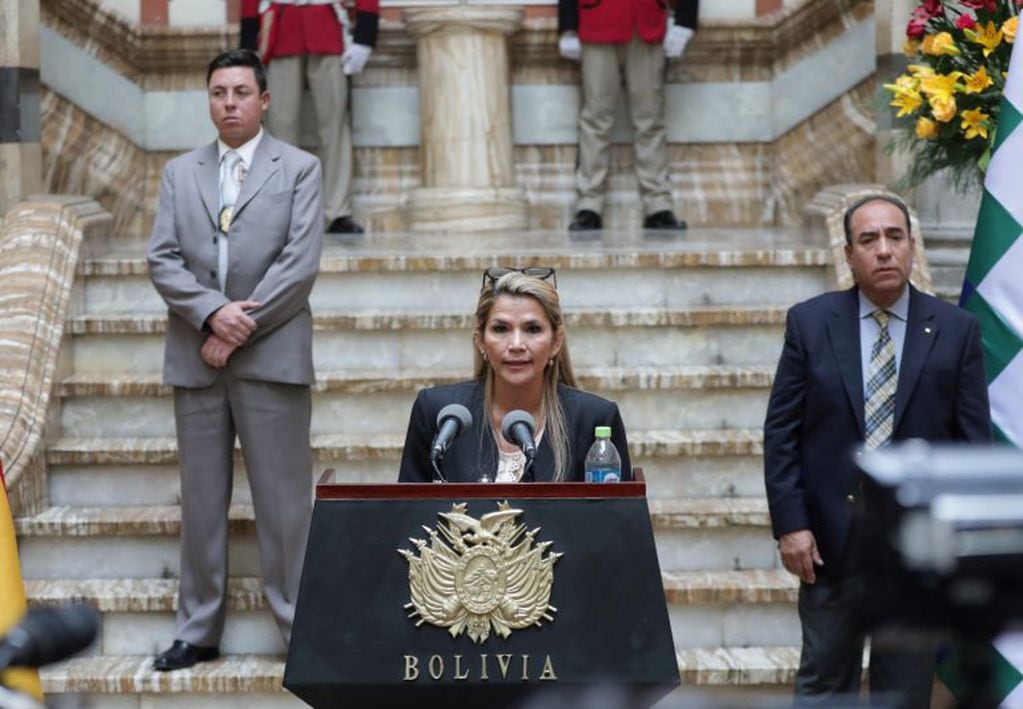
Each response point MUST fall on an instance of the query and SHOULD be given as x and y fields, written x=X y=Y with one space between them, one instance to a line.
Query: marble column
x=20 y=154
x=466 y=160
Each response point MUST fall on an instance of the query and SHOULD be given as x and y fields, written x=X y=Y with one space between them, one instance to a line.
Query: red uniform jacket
x=617 y=21
x=286 y=30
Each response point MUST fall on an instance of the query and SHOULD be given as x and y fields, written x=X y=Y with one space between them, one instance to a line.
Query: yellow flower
x=1009 y=29
x=911 y=47
x=907 y=101
x=908 y=83
x=920 y=70
x=939 y=85
x=939 y=44
x=974 y=124
x=944 y=109
x=926 y=129
x=987 y=35
x=978 y=82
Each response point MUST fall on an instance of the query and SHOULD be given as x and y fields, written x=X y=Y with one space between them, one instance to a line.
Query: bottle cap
x=602 y=432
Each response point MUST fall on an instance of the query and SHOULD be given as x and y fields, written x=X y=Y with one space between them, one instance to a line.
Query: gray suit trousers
x=272 y=422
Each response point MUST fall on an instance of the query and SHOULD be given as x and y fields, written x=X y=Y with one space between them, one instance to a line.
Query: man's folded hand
x=232 y=324
x=215 y=352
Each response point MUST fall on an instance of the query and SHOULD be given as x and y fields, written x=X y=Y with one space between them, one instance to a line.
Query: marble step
x=684 y=397
x=137 y=615
x=127 y=681
x=244 y=593
x=109 y=471
x=410 y=382
x=254 y=681
x=140 y=484
x=142 y=541
x=703 y=266
x=727 y=608
x=648 y=336
x=768 y=665
x=143 y=471
x=706 y=608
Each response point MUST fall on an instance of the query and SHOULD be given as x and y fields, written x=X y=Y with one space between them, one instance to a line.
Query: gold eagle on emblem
x=474 y=575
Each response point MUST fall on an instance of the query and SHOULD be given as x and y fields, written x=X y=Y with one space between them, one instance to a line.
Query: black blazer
x=815 y=413
x=475 y=450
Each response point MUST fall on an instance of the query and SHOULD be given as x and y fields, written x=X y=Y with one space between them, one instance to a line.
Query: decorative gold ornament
x=225 y=218
x=475 y=575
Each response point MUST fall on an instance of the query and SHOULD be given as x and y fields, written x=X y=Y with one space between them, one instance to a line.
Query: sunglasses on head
x=493 y=274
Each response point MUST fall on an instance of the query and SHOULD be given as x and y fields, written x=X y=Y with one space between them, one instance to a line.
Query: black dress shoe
x=586 y=220
x=345 y=225
x=182 y=655
x=664 y=219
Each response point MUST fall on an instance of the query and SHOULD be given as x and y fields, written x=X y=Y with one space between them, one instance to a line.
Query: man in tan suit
x=234 y=252
x=630 y=40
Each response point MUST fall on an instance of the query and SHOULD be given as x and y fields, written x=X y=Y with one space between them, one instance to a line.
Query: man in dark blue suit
x=861 y=368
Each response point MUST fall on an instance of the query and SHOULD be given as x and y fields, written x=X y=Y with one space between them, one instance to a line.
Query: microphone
x=48 y=635
x=518 y=427
x=451 y=421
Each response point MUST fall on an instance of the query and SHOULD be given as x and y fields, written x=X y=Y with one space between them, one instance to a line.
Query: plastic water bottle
x=603 y=464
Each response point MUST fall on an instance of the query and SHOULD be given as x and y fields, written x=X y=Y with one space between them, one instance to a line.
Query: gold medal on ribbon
x=225 y=218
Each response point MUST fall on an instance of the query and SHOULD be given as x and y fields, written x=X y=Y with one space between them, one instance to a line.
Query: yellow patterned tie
x=882 y=379
x=230 y=185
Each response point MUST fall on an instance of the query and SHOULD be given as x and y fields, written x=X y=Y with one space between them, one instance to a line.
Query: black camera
x=939 y=542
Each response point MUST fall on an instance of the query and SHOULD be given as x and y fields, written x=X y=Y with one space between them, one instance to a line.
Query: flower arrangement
x=949 y=98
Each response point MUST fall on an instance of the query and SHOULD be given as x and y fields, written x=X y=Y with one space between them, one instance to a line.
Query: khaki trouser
x=328 y=84
x=602 y=66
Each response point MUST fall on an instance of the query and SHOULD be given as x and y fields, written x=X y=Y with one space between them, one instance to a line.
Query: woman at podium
x=521 y=365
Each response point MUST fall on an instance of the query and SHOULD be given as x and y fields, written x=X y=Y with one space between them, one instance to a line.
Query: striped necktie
x=882 y=379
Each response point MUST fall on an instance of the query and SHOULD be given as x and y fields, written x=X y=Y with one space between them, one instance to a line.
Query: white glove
x=355 y=58
x=676 y=39
x=569 y=46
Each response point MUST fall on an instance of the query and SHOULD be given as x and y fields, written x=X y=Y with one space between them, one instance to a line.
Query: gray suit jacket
x=275 y=242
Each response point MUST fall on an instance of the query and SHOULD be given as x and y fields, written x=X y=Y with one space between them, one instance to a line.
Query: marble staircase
x=684 y=333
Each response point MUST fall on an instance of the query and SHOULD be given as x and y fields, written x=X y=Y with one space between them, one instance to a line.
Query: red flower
x=917 y=26
x=989 y=5
x=966 y=22
x=933 y=7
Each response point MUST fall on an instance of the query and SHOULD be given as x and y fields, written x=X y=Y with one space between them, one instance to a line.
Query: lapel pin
x=927 y=330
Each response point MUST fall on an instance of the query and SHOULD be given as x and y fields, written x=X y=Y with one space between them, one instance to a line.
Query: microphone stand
x=528 y=474
x=438 y=474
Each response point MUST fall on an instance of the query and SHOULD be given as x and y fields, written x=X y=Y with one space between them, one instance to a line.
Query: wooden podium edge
x=326 y=490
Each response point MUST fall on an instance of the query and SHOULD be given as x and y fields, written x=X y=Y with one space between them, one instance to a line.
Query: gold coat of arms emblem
x=474 y=575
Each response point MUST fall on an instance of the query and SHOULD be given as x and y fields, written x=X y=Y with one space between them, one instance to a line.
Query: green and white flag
x=993 y=292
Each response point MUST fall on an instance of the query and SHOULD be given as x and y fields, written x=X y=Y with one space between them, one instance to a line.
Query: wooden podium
x=413 y=595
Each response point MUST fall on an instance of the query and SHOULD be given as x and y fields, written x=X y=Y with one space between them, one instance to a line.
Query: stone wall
x=762 y=111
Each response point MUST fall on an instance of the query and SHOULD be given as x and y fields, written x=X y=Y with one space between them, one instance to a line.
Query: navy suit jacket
x=475 y=451
x=815 y=413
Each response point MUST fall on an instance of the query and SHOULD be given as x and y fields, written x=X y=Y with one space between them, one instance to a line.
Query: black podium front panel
x=354 y=643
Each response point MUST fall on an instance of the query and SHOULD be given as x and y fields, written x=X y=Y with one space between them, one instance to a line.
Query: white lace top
x=511 y=466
